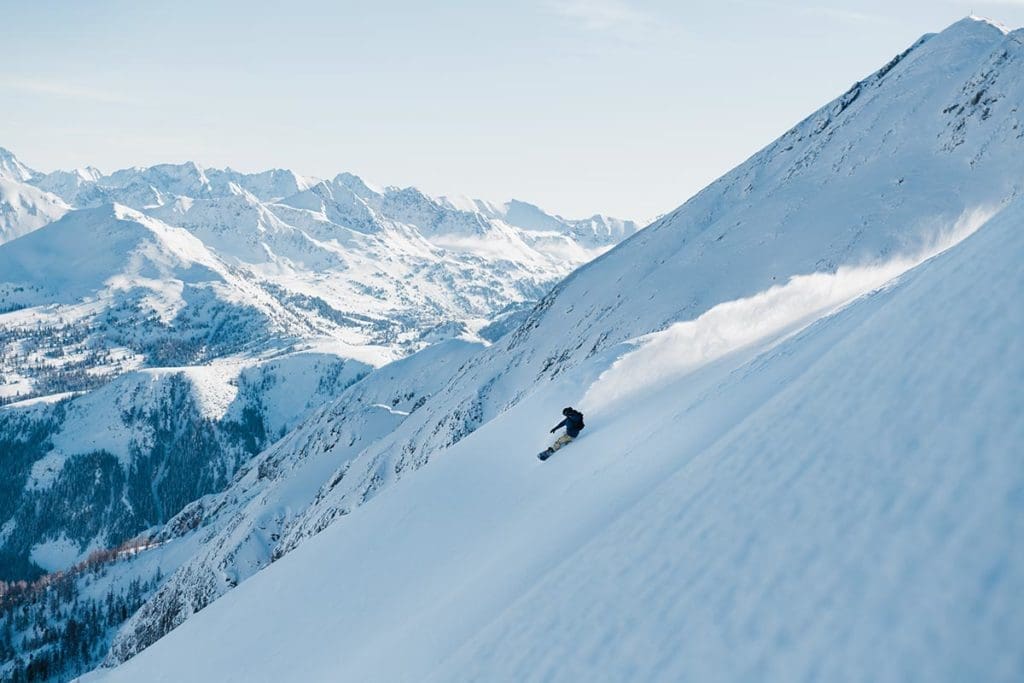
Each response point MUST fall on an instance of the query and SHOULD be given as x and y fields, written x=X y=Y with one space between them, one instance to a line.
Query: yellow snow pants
x=563 y=440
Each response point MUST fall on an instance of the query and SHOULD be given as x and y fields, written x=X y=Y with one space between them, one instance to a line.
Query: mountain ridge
x=858 y=184
x=170 y=275
x=780 y=379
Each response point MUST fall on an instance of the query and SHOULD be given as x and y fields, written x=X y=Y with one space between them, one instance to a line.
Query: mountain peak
x=11 y=167
x=1003 y=28
x=355 y=185
x=186 y=170
x=24 y=208
x=88 y=173
x=974 y=23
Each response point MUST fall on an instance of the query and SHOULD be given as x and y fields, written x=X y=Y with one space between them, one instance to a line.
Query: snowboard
x=544 y=455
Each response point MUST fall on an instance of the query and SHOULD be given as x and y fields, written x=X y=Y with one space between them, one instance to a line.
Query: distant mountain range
x=131 y=298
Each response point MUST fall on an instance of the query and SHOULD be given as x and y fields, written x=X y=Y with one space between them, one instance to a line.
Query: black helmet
x=567 y=411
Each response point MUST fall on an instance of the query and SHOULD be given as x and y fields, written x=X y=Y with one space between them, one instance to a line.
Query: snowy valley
x=319 y=403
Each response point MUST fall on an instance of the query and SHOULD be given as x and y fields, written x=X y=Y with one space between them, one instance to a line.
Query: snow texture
x=241 y=302
x=822 y=483
x=842 y=505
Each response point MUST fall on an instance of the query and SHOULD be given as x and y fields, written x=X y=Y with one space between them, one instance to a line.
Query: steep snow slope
x=12 y=169
x=24 y=208
x=89 y=251
x=391 y=268
x=86 y=474
x=76 y=186
x=239 y=529
x=907 y=162
x=840 y=504
x=214 y=265
x=122 y=280
x=867 y=179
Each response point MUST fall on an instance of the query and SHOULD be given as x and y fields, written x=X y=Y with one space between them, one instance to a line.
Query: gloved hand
x=553 y=430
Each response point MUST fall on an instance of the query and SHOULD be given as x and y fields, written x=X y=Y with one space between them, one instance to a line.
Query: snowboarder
x=573 y=423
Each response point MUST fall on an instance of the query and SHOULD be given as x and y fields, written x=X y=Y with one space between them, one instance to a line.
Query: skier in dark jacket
x=573 y=423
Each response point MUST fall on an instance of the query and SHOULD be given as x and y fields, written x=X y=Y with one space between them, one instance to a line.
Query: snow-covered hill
x=191 y=281
x=87 y=474
x=12 y=169
x=866 y=180
x=24 y=208
x=240 y=528
x=319 y=259
x=774 y=483
x=795 y=510
x=107 y=290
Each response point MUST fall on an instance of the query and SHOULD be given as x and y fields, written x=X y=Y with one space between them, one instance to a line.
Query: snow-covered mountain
x=73 y=186
x=12 y=169
x=863 y=181
x=90 y=473
x=240 y=528
x=334 y=259
x=597 y=230
x=128 y=299
x=106 y=290
x=24 y=208
x=289 y=258
x=753 y=522
x=802 y=408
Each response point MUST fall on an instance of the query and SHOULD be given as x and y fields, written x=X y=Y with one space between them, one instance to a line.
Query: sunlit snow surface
x=775 y=482
x=220 y=308
x=843 y=505
x=24 y=208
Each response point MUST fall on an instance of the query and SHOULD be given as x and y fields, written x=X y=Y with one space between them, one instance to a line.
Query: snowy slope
x=76 y=186
x=841 y=504
x=866 y=180
x=338 y=260
x=189 y=281
x=12 y=168
x=89 y=473
x=24 y=208
x=92 y=250
x=908 y=162
x=238 y=530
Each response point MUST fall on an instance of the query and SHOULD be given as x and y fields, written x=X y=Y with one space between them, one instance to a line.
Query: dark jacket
x=573 y=423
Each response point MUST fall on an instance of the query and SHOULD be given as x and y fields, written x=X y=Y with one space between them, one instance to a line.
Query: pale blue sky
x=625 y=107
